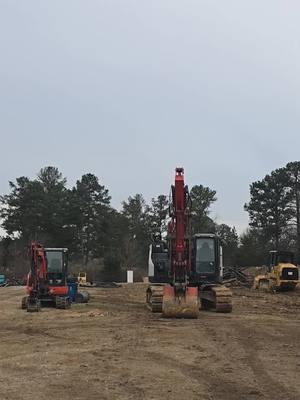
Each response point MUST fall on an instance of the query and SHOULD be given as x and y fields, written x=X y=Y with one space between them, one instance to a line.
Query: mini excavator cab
x=57 y=266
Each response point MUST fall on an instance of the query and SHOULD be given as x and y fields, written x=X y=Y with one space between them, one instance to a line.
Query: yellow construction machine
x=282 y=274
x=82 y=278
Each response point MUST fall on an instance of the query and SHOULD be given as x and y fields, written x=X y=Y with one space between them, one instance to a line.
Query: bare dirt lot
x=114 y=348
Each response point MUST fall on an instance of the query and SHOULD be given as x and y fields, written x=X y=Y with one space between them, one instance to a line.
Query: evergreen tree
x=230 y=242
x=202 y=199
x=22 y=209
x=36 y=209
x=253 y=249
x=91 y=204
x=158 y=213
x=136 y=211
x=112 y=268
x=269 y=205
x=54 y=210
x=293 y=172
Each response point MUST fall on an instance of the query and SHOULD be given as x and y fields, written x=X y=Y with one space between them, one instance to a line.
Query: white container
x=129 y=276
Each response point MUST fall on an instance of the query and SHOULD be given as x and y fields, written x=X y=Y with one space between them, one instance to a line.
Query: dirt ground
x=114 y=348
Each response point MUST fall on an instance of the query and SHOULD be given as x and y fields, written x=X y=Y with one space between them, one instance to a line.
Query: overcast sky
x=130 y=89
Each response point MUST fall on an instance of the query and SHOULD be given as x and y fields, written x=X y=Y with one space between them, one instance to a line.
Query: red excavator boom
x=178 y=229
x=38 y=268
x=179 y=299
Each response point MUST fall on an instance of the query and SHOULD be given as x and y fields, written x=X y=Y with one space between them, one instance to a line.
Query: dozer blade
x=185 y=305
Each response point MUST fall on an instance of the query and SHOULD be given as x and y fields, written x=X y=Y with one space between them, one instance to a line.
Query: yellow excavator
x=282 y=274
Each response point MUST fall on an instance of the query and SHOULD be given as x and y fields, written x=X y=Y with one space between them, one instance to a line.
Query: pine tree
x=269 y=205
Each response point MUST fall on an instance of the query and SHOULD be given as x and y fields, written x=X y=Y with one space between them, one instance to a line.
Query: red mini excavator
x=46 y=281
x=186 y=273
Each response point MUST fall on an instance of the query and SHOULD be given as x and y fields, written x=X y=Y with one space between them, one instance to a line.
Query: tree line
x=274 y=213
x=83 y=219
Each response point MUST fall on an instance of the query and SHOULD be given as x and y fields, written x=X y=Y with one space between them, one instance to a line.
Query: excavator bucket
x=183 y=305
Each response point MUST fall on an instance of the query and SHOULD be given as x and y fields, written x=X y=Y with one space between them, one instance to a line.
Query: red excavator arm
x=179 y=230
x=38 y=268
x=180 y=299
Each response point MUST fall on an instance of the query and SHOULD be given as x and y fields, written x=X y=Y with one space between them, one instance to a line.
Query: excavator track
x=223 y=297
x=33 y=304
x=217 y=298
x=62 y=303
x=24 y=303
x=154 y=298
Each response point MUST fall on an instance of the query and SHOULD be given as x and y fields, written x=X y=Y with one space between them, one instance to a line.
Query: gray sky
x=130 y=89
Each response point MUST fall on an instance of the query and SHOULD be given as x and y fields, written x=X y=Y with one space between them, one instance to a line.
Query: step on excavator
x=185 y=272
x=47 y=278
x=282 y=274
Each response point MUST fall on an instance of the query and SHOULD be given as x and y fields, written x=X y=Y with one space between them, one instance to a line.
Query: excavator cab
x=207 y=258
x=158 y=264
x=57 y=266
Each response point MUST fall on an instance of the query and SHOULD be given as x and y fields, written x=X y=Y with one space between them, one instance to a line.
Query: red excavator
x=47 y=279
x=186 y=272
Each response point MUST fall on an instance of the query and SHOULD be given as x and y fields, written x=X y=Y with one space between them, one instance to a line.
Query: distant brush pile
x=237 y=276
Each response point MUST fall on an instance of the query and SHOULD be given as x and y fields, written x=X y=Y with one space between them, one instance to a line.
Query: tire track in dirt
x=131 y=354
x=218 y=387
x=270 y=386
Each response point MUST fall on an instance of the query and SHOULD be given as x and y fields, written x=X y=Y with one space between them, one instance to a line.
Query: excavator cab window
x=205 y=256
x=54 y=262
x=56 y=273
